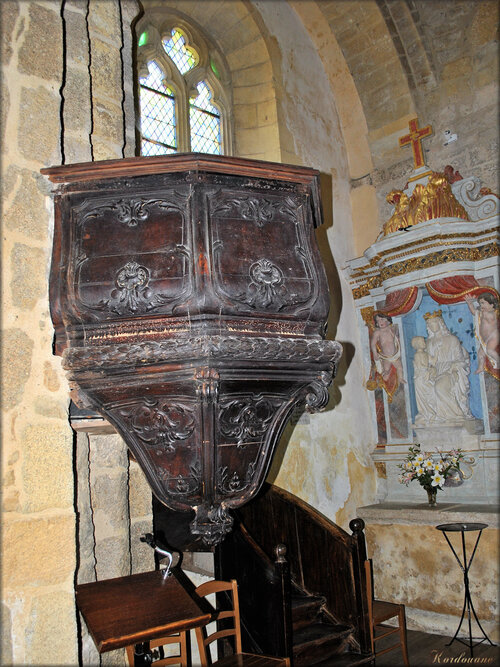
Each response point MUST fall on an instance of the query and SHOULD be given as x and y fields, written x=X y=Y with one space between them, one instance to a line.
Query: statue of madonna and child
x=441 y=375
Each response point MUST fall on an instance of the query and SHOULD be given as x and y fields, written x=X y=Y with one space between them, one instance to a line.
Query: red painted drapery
x=454 y=288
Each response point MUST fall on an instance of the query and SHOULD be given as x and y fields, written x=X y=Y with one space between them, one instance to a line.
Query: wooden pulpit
x=189 y=303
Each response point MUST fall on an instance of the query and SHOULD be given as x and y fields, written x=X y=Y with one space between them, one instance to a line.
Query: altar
x=413 y=564
x=427 y=300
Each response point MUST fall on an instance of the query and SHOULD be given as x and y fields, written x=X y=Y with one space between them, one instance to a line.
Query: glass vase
x=431 y=496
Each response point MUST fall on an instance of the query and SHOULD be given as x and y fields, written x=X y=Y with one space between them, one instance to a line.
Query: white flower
x=408 y=465
x=437 y=479
x=438 y=466
x=419 y=458
x=428 y=464
x=419 y=470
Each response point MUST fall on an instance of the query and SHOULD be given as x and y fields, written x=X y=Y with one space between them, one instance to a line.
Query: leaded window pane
x=158 y=122
x=205 y=123
x=184 y=57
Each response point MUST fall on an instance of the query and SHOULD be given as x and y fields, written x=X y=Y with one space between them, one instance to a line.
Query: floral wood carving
x=160 y=423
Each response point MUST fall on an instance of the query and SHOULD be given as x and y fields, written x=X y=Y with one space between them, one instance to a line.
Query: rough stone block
x=17 y=354
x=41 y=52
x=108 y=451
x=37 y=551
x=27 y=212
x=108 y=122
x=77 y=47
x=6 y=640
x=76 y=148
x=47 y=640
x=106 y=71
x=47 y=466
x=28 y=283
x=106 y=150
x=139 y=492
x=77 y=103
x=142 y=554
x=112 y=557
x=484 y=27
x=110 y=504
x=458 y=69
x=104 y=17
x=38 y=129
x=9 y=12
x=50 y=407
x=4 y=112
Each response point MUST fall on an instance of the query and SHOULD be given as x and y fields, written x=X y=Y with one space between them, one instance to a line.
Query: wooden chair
x=179 y=659
x=238 y=659
x=380 y=611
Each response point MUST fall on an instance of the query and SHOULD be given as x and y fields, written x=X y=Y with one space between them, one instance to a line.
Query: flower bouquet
x=430 y=470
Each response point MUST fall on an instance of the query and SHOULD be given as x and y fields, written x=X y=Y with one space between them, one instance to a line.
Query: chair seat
x=250 y=660
x=383 y=611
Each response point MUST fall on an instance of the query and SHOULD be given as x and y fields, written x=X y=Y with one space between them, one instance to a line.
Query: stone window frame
x=184 y=85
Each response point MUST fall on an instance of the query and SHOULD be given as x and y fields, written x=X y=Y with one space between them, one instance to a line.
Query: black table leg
x=142 y=655
x=465 y=566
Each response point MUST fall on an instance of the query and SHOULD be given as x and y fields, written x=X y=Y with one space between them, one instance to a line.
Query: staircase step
x=319 y=641
x=305 y=609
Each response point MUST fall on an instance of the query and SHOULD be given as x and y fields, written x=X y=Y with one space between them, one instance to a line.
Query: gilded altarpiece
x=426 y=294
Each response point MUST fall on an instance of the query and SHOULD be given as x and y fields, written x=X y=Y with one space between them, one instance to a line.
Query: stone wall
x=38 y=449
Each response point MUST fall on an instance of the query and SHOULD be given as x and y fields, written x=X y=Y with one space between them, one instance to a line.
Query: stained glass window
x=185 y=58
x=184 y=103
x=158 y=123
x=205 y=122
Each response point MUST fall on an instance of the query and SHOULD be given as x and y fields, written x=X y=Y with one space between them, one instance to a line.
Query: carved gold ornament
x=434 y=200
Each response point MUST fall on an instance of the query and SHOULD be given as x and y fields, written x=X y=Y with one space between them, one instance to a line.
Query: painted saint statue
x=386 y=354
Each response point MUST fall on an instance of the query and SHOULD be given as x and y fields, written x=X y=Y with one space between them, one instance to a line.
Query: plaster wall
x=326 y=461
x=413 y=564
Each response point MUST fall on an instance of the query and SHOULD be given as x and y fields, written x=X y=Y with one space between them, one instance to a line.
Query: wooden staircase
x=316 y=636
x=308 y=604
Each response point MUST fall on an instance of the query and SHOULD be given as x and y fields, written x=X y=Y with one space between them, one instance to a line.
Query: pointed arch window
x=184 y=92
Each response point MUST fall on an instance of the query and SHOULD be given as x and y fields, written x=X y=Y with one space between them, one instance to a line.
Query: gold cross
x=415 y=139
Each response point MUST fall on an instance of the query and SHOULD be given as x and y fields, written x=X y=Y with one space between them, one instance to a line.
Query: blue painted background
x=459 y=321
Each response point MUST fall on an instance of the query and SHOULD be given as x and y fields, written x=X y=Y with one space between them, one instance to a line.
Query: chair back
x=232 y=615
x=181 y=657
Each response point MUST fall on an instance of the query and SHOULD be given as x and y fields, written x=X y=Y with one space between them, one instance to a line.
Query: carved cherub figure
x=486 y=324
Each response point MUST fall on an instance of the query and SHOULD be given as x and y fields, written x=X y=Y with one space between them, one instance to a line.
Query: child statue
x=423 y=378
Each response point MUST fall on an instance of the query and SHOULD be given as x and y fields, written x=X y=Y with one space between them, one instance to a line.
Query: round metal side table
x=465 y=567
